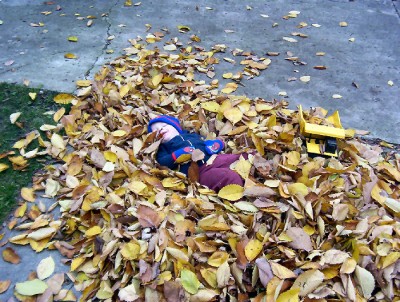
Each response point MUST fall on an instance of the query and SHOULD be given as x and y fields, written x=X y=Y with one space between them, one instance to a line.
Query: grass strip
x=15 y=98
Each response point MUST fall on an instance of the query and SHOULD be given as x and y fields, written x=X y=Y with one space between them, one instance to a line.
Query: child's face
x=167 y=131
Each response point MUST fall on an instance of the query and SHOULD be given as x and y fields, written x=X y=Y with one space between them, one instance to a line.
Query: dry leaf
x=31 y=288
x=189 y=281
x=4 y=285
x=14 y=117
x=45 y=268
x=231 y=192
x=11 y=256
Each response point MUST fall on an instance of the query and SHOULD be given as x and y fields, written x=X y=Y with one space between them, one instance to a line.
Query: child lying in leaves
x=176 y=142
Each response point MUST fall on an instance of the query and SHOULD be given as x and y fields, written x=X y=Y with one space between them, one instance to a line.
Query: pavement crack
x=107 y=42
x=395 y=8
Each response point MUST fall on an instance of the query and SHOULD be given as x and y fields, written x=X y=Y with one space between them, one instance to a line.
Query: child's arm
x=214 y=146
x=169 y=159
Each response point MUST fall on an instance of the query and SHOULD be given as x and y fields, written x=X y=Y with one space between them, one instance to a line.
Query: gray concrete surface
x=37 y=53
x=30 y=259
x=370 y=61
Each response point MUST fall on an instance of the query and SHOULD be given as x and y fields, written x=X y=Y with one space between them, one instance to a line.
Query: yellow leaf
x=291 y=295
x=156 y=79
x=110 y=156
x=93 y=231
x=343 y=24
x=73 y=39
x=210 y=106
x=77 y=262
x=231 y=192
x=297 y=188
x=57 y=141
x=63 y=98
x=125 y=89
x=210 y=276
x=183 y=28
x=70 y=56
x=118 y=133
x=178 y=254
x=137 y=186
x=390 y=259
x=263 y=107
x=234 y=115
x=376 y=194
x=40 y=245
x=28 y=194
x=217 y=258
x=18 y=160
x=130 y=250
x=293 y=158
x=20 y=211
x=3 y=167
x=281 y=272
x=59 y=114
x=252 y=249
x=32 y=95
x=308 y=281
x=243 y=167
x=229 y=88
x=189 y=281
x=31 y=288
x=227 y=75
x=83 y=83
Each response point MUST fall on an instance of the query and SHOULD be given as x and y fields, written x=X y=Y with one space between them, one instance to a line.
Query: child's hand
x=214 y=146
x=184 y=153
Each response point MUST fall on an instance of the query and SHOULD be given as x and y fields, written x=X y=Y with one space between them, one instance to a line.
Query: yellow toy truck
x=321 y=139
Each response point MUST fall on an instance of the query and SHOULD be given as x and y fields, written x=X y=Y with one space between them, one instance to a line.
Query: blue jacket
x=185 y=143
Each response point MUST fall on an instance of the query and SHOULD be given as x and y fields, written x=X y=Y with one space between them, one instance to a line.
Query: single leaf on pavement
x=4 y=285
x=31 y=288
x=11 y=256
x=45 y=268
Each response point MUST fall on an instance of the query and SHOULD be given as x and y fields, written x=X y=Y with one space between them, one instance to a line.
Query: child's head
x=166 y=125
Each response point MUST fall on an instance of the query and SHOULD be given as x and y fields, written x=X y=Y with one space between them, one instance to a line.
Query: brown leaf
x=193 y=172
x=148 y=217
x=4 y=285
x=300 y=239
x=173 y=291
x=259 y=191
x=11 y=256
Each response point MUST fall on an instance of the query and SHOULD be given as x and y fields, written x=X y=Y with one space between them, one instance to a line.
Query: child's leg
x=225 y=160
x=217 y=178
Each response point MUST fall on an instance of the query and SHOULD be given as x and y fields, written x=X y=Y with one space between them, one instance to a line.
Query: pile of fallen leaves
x=301 y=228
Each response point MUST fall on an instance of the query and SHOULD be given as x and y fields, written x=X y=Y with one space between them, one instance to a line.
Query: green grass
x=15 y=98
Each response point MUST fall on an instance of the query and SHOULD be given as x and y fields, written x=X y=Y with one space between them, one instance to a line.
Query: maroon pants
x=218 y=175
